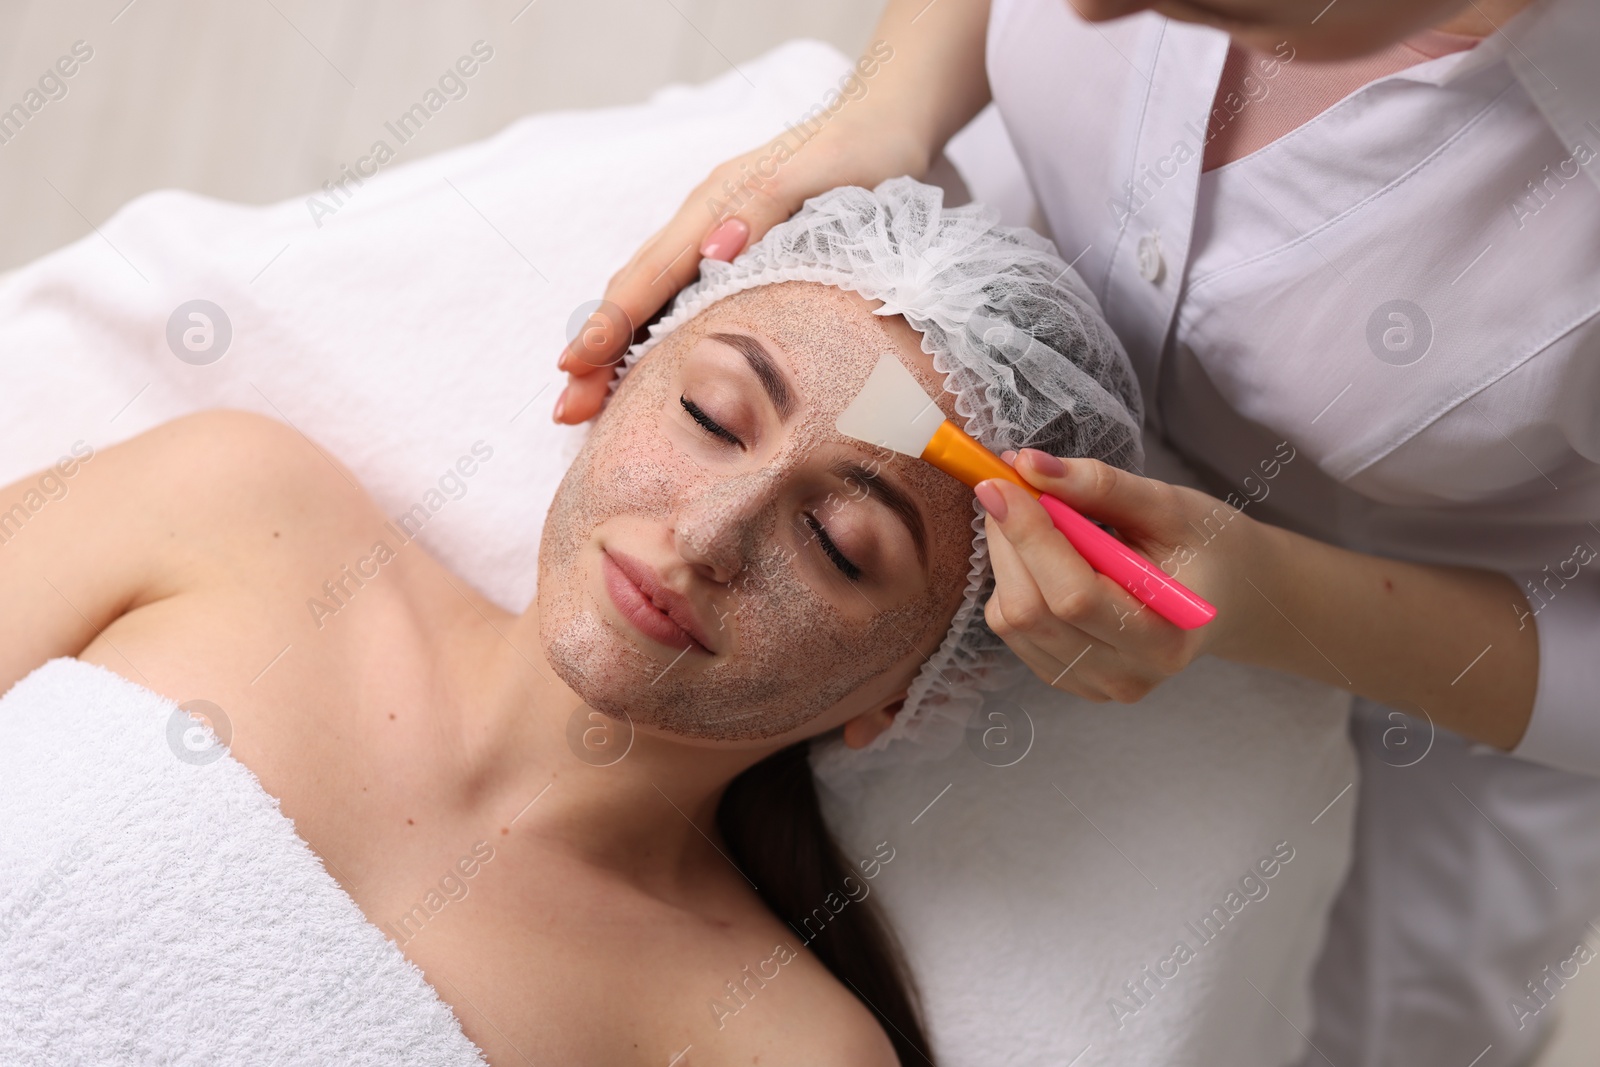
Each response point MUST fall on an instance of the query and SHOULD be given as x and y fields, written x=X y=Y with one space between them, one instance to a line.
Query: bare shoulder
x=185 y=504
x=218 y=480
x=246 y=500
x=245 y=457
x=843 y=1032
x=820 y=1022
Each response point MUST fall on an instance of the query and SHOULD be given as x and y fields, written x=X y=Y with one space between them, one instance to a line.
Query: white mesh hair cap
x=1022 y=346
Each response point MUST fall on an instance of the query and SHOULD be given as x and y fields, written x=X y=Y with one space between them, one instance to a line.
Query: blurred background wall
x=258 y=100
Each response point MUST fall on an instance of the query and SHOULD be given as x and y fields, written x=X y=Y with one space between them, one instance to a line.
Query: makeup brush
x=892 y=411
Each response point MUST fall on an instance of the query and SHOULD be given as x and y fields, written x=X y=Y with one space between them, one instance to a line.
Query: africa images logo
x=1399 y=332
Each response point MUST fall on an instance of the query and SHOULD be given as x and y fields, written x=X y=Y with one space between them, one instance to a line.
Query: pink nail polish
x=726 y=241
x=561 y=406
x=1010 y=456
x=1045 y=463
x=991 y=499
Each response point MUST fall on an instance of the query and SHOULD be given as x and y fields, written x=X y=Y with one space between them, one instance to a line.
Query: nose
x=718 y=530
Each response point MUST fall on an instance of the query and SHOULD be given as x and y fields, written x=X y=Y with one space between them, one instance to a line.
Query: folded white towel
x=157 y=909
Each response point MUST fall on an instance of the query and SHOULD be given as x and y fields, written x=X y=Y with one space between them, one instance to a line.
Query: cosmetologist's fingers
x=633 y=296
x=1016 y=604
x=710 y=224
x=582 y=399
x=1065 y=589
x=1133 y=504
x=1071 y=671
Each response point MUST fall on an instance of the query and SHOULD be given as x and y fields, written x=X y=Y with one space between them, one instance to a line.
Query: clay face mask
x=808 y=593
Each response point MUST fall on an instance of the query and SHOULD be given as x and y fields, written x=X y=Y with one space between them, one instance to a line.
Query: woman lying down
x=722 y=578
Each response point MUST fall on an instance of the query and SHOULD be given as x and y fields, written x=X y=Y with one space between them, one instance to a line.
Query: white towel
x=155 y=909
x=424 y=316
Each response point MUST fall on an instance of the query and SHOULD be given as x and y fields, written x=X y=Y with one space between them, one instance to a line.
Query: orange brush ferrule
x=959 y=455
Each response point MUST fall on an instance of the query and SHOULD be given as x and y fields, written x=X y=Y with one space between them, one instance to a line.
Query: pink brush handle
x=1165 y=596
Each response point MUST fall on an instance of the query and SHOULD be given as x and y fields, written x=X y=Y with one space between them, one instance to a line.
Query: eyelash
x=831 y=550
x=708 y=424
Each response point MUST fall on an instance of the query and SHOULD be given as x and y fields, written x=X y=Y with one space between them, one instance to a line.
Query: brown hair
x=771 y=820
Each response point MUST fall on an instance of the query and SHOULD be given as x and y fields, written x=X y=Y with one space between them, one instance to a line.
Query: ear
x=864 y=729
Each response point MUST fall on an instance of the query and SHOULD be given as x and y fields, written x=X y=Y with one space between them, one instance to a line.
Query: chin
x=715 y=706
x=593 y=660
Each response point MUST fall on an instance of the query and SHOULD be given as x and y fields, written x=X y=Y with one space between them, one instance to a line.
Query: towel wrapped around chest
x=157 y=907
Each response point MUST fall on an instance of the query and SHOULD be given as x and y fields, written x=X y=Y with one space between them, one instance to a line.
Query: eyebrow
x=765 y=368
x=890 y=496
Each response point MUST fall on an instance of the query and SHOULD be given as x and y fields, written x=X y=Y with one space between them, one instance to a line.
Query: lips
x=661 y=614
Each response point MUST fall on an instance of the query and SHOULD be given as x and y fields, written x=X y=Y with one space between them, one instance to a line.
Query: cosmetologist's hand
x=736 y=204
x=1079 y=630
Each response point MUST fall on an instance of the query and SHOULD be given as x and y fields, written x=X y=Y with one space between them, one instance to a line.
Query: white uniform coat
x=1406 y=290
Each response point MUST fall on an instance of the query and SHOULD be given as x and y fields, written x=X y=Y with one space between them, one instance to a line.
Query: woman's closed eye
x=819 y=532
x=708 y=424
x=831 y=550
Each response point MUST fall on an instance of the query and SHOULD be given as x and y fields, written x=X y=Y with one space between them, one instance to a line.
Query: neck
x=650 y=815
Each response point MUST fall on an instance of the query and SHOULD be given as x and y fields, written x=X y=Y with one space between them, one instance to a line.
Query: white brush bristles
x=892 y=410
